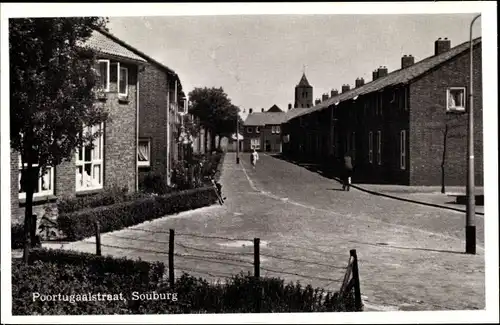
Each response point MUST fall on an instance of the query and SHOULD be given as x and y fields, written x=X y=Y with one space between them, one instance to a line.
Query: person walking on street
x=254 y=158
x=348 y=170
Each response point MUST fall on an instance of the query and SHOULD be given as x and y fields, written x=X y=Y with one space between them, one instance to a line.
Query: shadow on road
x=407 y=248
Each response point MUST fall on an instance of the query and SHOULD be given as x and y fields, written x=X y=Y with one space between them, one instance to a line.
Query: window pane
x=96 y=152
x=103 y=74
x=123 y=80
x=143 y=152
x=79 y=177
x=87 y=153
x=97 y=175
x=46 y=181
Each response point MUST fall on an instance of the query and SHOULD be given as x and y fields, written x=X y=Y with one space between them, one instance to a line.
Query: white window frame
x=119 y=71
x=455 y=108
x=249 y=130
x=108 y=80
x=257 y=129
x=40 y=193
x=379 y=147
x=93 y=162
x=370 y=147
x=402 y=149
x=278 y=129
x=255 y=143
x=146 y=163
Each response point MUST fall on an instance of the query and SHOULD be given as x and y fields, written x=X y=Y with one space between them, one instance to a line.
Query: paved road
x=410 y=255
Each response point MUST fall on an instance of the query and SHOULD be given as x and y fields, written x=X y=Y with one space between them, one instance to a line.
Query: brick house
x=112 y=162
x=262 y=130
x=161 y=100
x=405 y=127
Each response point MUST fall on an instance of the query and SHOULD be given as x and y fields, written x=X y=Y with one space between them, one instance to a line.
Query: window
x=404 y=99
x=89 y=162
x=255 y=143
x=144 y=153
x=45 y=185
x=379 y=147
x=257 y=129
x=103 y=75
x=455 y=99
x=278 y=129
x=249 y=130
x=275 y=129
x=122 y=81
x=402 y=149
x=370 y=147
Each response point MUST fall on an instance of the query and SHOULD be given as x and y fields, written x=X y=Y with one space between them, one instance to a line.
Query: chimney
x=441 y=45
x=382 y=71
x=375 y=75
x=407 y=60
x=262 y=110
x=324 y=97
x=289 y=106
x=345 y=88
x=334 y=93
x=250 y=110
x=360 y=82
x=317 y=101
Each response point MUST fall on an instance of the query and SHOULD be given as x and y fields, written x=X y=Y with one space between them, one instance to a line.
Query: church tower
x=303 y=93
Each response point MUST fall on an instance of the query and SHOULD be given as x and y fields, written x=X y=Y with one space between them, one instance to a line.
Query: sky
x=258 y=59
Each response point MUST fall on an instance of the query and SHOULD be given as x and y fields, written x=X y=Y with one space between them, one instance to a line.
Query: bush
x=110 y=196
x=80 y=224
x=53 y=272
x=17 y=236
x=67 y=273
x=154 y=182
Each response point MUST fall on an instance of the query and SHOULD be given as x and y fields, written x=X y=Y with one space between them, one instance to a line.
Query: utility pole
x=470 y=226
x=237 y=137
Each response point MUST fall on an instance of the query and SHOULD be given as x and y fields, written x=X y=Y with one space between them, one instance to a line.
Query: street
x=410 y=256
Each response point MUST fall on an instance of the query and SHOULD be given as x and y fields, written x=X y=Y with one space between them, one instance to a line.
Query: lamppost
x=470 y=226
x=238 y=135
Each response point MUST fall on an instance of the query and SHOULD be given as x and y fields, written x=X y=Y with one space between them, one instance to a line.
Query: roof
x=138 y=52
x=261 y=119
x=102 y=43
x=274 y=109
x=303 y=81
x=400 y=76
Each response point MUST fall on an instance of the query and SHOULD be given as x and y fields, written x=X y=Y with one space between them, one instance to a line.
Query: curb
x=407 y=200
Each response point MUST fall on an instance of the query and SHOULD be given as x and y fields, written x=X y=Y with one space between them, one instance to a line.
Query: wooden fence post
x=256 y=256
x=355 y=274
x=171 y=273
x=97 y=239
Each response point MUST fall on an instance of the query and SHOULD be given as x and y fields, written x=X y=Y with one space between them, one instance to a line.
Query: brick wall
x=273 y=138
x=120 y=153
x=120 y=147
x=428 y=119
x=153 y=106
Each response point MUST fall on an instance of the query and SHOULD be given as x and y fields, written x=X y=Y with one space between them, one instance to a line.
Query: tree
x=52 y=81
x=214 y=110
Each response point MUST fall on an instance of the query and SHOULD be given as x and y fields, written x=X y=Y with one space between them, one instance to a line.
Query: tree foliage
x=52 y=81
x=214 y=110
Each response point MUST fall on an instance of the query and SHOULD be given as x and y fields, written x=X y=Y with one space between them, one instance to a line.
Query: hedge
x=110 y=196
x=70 y=273
x=81 y=224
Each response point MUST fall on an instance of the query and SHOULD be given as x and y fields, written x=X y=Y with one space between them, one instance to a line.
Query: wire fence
x=203 y=257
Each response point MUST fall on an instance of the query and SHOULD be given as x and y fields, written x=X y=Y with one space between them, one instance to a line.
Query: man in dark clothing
x=347 y=174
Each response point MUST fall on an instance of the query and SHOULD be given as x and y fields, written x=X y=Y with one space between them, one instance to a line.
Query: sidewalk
x=426 y=195
x=423 y=195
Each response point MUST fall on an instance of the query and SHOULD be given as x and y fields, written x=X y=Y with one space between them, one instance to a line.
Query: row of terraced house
x=145 y=102
x=405 y=127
